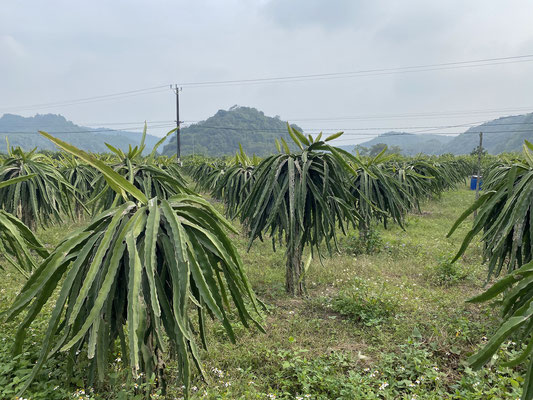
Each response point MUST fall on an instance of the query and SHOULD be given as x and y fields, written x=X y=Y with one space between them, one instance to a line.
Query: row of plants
x=302 y=199
x=155 y=252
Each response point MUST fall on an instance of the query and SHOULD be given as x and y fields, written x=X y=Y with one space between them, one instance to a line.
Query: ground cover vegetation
x=136 y=286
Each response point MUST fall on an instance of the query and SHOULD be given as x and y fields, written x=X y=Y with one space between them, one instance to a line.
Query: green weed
x=356 y=245
x=363 y=304
x=446 y=273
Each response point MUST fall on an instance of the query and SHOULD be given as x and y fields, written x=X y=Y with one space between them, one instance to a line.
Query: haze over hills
x=411 y=143
x=505 y=134
x=221 y=134
x=22 y=131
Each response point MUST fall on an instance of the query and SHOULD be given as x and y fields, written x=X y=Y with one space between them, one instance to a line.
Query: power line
x=469 y=124
x=85 y=100
x=430 y=114
x=101 y=124
x=343 y=118
x=434 y=114
x=348 y=133
x=464 y=113
x=103 y=130
x=422 y=134
x=281 y=79
x=487 y=128
x=370 y=72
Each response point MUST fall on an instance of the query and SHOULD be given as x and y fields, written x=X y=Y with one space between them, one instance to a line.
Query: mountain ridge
x=22 y=131
x=221 y=134
x=503 y=134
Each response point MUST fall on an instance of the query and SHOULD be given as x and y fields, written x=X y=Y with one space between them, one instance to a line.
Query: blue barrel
x=473 y=182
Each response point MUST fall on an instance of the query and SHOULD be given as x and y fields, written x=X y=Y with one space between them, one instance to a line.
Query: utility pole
x=178 y=123
x=478 y=183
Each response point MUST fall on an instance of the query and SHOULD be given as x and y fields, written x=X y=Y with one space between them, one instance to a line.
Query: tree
x=142 y=172
x=235 y=183
x=81 y=177
x=361 y=150
x=207 y=174
x=135 y=273
x=17 y=240
x=394 y=149
x=505 y=216
x=302 y=197
x=516 y=290
x=221 y=134
x=379 y=194
x=376 y=149
x=475 y=152
x=36 y=201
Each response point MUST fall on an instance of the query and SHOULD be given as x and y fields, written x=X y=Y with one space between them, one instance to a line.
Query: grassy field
x=388 y=325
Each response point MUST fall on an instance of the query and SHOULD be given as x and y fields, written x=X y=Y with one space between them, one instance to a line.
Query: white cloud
x=60 y=49
x=11 y=48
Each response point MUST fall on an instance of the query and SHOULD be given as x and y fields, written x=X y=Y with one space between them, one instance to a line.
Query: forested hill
x=505 y=134
x=221 y=134
x=411 y=144
x=22 y=131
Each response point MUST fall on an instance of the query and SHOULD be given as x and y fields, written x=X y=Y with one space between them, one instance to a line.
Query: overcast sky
x=51 y=51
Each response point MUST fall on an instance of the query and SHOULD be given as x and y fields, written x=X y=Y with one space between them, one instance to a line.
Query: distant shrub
x=355 y=245
x=362 y=304
x=446 y=272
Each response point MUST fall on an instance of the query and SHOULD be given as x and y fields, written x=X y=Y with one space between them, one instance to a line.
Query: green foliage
x=517 y=309
x=355 y=244
x=387 y=188
x=446 y=272
x=376 y=149
x=207 y=174
x=341 y=357
x=37 y=201
x=403 y=375
x=81 y=177
x=149 y=179
x=235 y=183
x=505 y=215
x=409 y=373
x=323 y=377
x=443 y=173
x=16 y=239
x=13 y=371
x=16 y=243
x=135 y=274
x=408 y=143
x=361 y=303
x=378 y=194
x=142 y=172
x=475 y=152
x=494 y=382
x=302 y=198
x=417 y=181
x=221 y=134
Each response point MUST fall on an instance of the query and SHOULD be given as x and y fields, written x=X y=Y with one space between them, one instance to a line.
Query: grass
x=392 y=325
